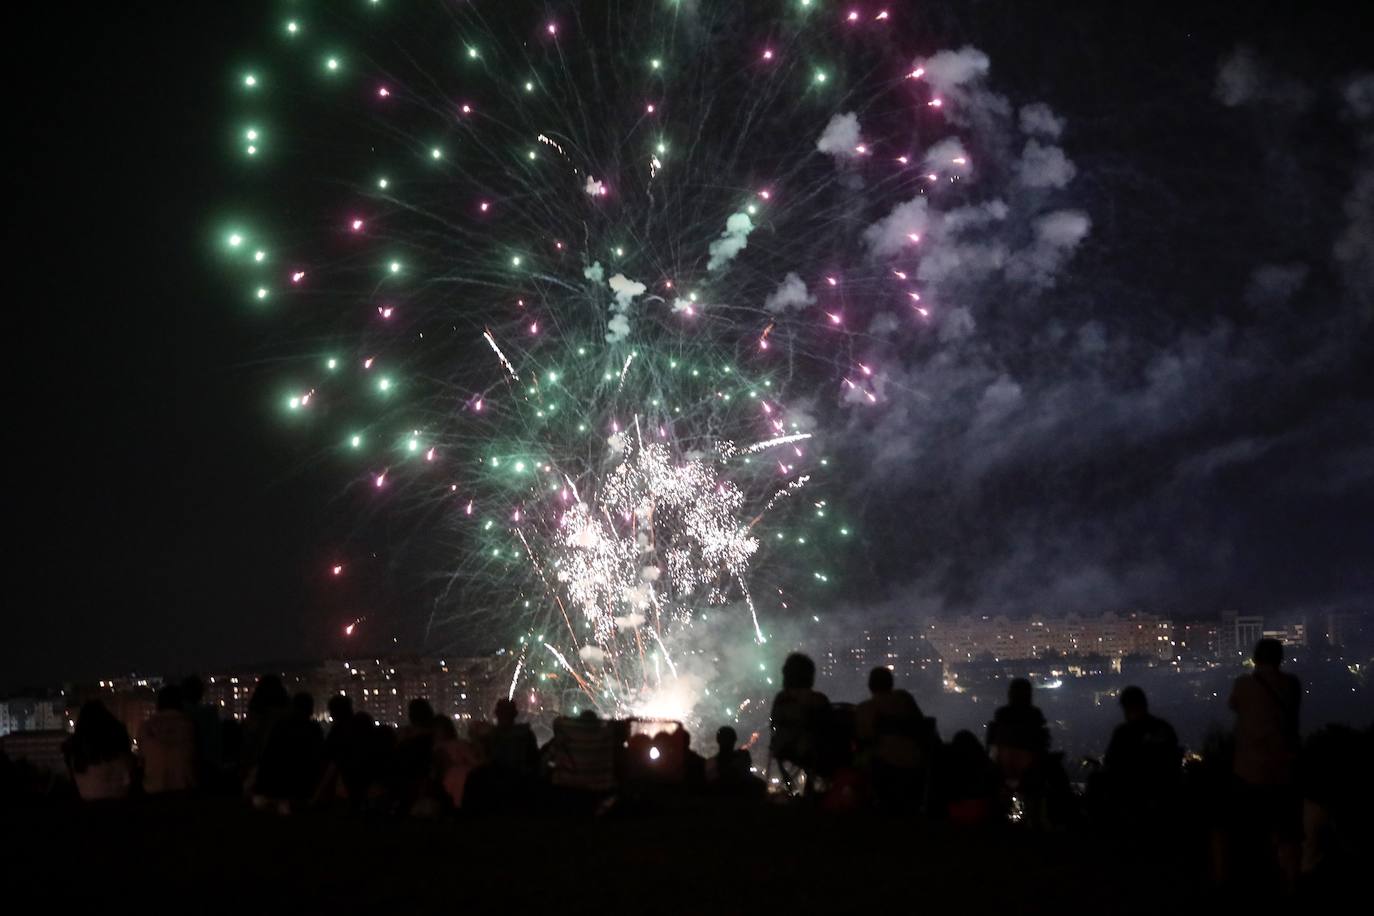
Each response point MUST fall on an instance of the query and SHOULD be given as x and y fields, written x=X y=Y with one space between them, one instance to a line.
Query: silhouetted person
x=1018 y=734
x=209 y=733
x=293 y=761
x=341 y=751
x=375 y=747
x=1266 y=705
x=269 y=704
x=730 y=770
x=455 y=759
x=414 y=756
x=681 y=766
x=509 y=761
x=1143 y=761
x=420 y=715
x=730 y=765
x=167 y=746
x=1019 y=740
x=340 y=747
x=968 y=780
x=510 y=745
x=98 y=754
x=695 y=763
x=887 y=727
x=799 y=720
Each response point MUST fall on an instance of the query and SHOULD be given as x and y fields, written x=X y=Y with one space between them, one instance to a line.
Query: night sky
x=1182 y=422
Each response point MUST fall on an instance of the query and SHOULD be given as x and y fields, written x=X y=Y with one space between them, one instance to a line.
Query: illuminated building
x=1196 y=642
x=460 y=688
x=1237 y=635
x=33 y=714
x=1112 y=636
x=1292 y=635
x=916 y=664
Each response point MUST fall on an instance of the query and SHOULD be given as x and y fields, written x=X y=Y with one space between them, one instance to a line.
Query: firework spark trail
x=770 y=443
x=515 y=678
x=623 y=370
x=491 y=341
x=539 y=568
x=667 y=656
x=564 y=662
x=753 y=611
x=546 y=140
x=785 y=492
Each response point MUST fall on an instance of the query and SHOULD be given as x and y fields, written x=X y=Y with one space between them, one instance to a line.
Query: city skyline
x=996 y=635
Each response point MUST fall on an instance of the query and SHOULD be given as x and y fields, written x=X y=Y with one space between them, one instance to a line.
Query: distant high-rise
x=459 y=688
x=1196 y=641
x=1110 y=635
x=1293 y=635
x=1345 y=630
x=1237 y=635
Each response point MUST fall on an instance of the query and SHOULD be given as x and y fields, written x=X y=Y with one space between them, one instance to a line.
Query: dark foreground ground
x=209 y=856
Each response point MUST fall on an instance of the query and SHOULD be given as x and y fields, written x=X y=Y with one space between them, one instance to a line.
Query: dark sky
x=1190 y=428
x=159 y=518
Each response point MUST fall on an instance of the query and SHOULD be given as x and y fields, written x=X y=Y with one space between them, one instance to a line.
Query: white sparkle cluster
x=661 y=535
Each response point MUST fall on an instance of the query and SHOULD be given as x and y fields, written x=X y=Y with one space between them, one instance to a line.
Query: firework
x=578 y=293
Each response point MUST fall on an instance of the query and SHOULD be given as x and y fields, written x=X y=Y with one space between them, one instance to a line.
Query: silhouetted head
x=340 y=707
x=1133 y=703
x=798 y=672
x=303 y=705
x=1019 y=692
x=192 y=690
x=965 y=744
x=726 y=738
x=420 y=712
x=505 y=712
x=880 y=680
x=587 y=715
x=96 y=723
x=1268 y=652
x=98 y=735
x=269 y=694
x=169 y=697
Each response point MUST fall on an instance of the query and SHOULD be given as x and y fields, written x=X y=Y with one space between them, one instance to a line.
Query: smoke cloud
x=1037 y=120
x=625 y=291
x=894 y=232
x=841 y=137
x=790 y=294
x=1244 y=79
x=1044 y=166
x=731 y=242
x=1056 y=237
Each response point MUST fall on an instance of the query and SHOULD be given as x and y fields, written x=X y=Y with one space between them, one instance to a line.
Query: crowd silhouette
x=1262 y=798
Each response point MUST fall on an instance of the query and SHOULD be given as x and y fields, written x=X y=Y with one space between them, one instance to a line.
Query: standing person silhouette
x=1143 y=765
x=1268 y=802
x=798 y=721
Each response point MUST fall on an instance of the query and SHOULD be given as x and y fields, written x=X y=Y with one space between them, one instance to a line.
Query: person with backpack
x=798 y=722
x=1265 y=764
